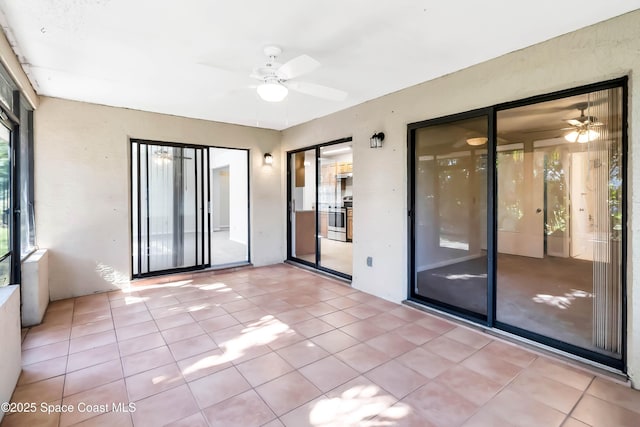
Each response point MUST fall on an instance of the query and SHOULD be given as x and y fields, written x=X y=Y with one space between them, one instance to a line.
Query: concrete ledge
x=10 y=355
x=35 y=287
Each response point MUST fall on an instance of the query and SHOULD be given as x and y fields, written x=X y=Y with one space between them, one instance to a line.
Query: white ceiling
x=193 y=58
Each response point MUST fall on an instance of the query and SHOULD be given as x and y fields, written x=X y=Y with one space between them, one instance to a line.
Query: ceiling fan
x=276 y=79
x=581 y=127
x=581 y=130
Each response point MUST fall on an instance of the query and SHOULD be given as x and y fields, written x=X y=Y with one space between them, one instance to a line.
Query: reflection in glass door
x=450 y=218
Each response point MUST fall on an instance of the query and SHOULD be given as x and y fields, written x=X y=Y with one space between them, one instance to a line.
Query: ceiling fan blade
x=318 y=91
x=298 y=66
x=575 y=122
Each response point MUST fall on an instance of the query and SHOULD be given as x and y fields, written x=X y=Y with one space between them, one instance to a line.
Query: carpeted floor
x=551 y=296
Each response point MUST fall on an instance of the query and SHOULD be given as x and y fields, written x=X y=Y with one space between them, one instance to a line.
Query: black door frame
x=12 y=123
x=490 y=320
x=411 y=133
x=203 y=257
x=316 y=265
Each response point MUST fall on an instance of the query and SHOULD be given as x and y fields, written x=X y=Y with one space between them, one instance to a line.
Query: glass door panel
x=168 y=207
x=5 y=206
x=335 y=207
x=559 y=206
x=302 y=205
x=450 y=218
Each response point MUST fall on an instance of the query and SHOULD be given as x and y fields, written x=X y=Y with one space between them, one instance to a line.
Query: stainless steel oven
x=337 y=227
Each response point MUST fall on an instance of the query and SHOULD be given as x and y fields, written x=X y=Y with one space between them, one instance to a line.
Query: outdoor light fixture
x=581 y=136
x=477 y=141
x=268 y=159
x=272 y=91
x=376 y=140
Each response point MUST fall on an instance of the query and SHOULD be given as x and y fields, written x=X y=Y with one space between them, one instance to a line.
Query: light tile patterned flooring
x=278 y=346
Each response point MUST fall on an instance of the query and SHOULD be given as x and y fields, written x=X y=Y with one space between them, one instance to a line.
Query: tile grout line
x=115 y=333
x=584 y=392
x=64 y=381
x=86 y=367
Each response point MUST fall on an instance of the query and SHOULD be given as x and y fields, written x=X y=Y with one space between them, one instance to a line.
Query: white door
x=521 y=201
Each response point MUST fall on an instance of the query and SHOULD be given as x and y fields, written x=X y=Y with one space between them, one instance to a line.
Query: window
x=17 y=227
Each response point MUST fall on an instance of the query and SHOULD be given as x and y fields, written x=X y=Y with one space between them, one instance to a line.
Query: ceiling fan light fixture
x=272 y=91
x=477 y=141
x=581 y=136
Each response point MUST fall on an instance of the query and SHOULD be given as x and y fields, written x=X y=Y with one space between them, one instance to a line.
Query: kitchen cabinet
x=349 y=224
x=305 y=233
x=328 y=175
x=299 y=169
x=324 y=223
x=344 y=167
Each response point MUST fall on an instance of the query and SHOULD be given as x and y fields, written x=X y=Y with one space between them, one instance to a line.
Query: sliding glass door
x=320 y=215
x=518 y=218
x=450 y=182
x=190 y=207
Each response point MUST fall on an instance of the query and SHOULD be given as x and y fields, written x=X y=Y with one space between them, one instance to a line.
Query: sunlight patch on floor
x=357 y=406
x=562 y=302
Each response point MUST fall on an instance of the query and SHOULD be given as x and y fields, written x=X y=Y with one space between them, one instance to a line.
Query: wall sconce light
x=376 y=140
x=268 y=159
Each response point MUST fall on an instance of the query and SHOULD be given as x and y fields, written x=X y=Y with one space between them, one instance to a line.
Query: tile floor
x=280 y=346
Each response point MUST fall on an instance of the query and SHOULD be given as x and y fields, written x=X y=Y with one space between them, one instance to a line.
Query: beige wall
x=82 y=188
x=604 y=51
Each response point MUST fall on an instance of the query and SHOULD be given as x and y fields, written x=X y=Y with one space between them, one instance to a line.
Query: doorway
x=320 y=214
x=184 y=215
